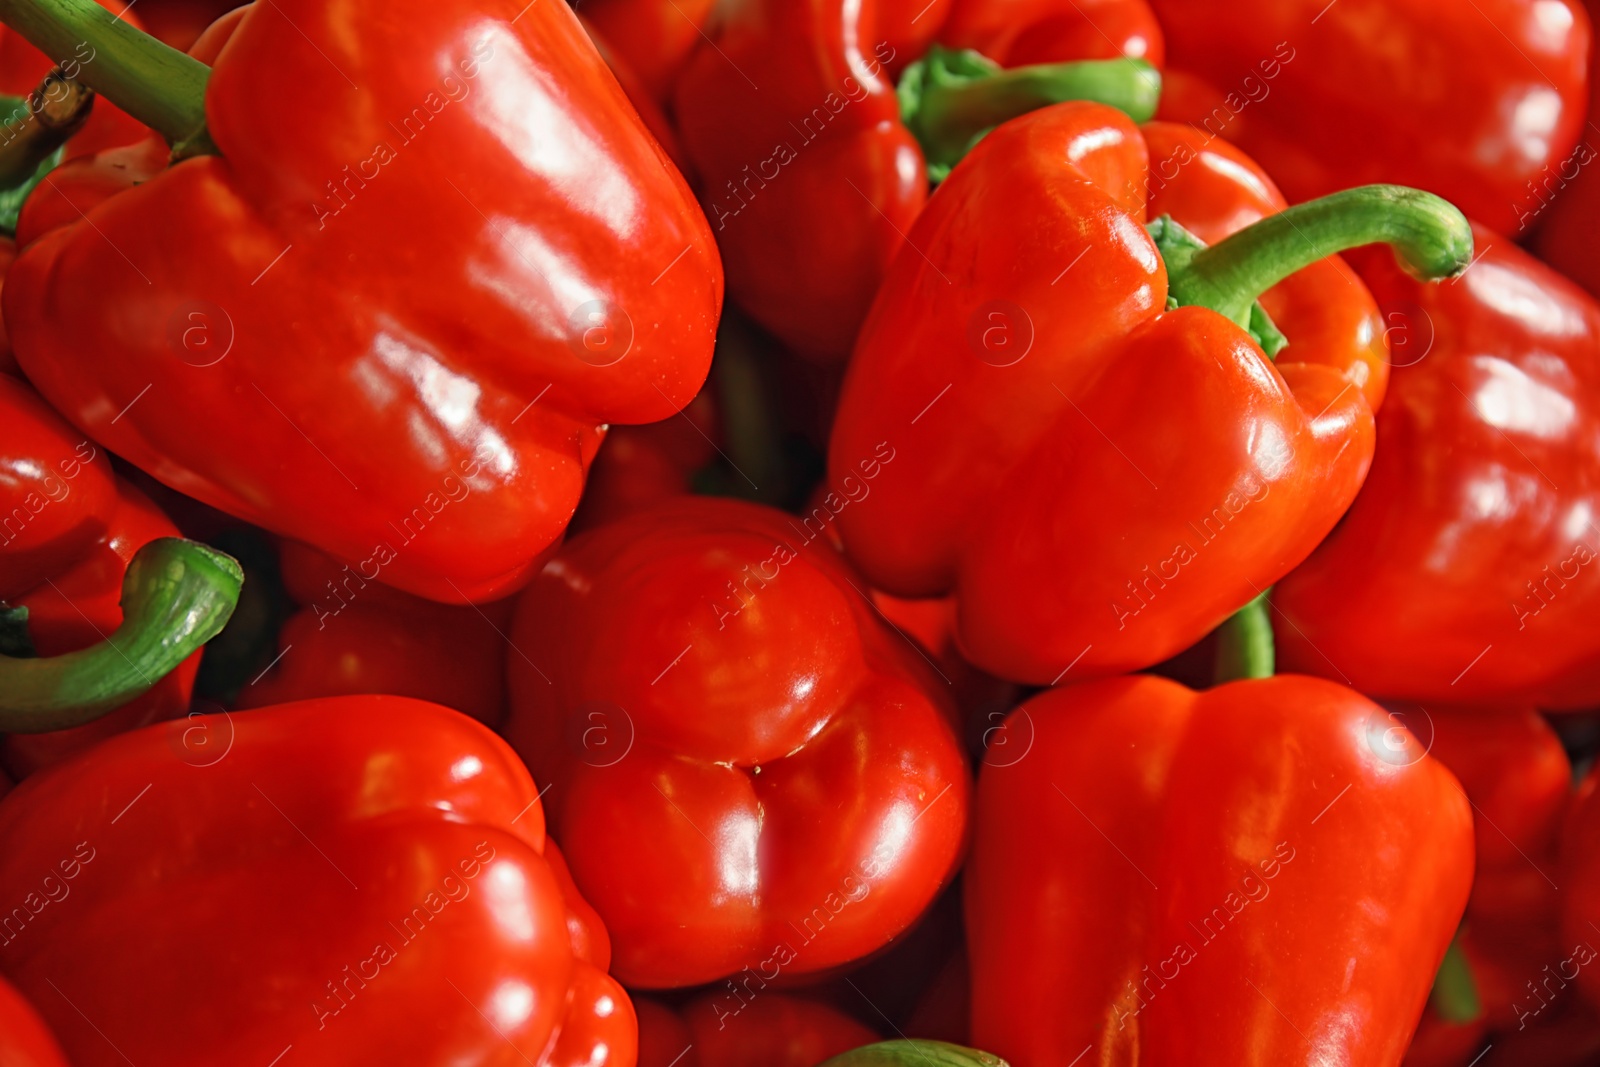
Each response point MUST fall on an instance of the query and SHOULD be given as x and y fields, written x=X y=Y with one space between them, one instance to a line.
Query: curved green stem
x=1245 y=648
x=156 y=84
x=950 y=98
x=914 y=1053
x=176 y=595
x=1429 y=235
x=1455 y=993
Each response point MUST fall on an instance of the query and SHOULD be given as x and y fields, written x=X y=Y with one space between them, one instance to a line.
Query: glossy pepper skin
x=1470 y=102
x=807 y=208
x=1018 y=32
x=24 y=1039
x=654 y=38
x=1169 y=877
x=352 y=636
x=68 y=527
x=1564 y=201
x=1067 y=470
x=550 y=255
x=720 y=1029
x=750 y=774
x=404 y=903
x=1468 y=566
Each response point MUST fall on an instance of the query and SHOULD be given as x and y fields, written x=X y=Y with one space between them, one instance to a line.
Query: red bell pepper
x=24 y=1039
x=1099 y=479
x=1468 y=567
x=751 y=774
x=1469 y=101
x=431 y=415
x=810 y=177
x=1223 y=877
x=653 y=38
x=640 y=466
x=1018 y=32
x=352 y=636
x=650 y=111
x=719 y=1029
x=403 y=903
x=96 y=583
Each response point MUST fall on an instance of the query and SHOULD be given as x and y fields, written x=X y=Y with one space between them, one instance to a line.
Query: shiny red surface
x=1224 y=877
x=216 y=890
x=806 y=174
x=68 y=527
x=1470 y=101
x=1468 y=567
x=747 y=769
x=1108 y=489
x=758 y=1026
x=378 y=397
x=1019 y=32
x=655 y=38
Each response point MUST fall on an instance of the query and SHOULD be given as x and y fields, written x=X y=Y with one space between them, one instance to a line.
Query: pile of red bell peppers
x=784 y=533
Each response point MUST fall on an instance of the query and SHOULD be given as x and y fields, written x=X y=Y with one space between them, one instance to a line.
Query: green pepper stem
x=1245 y=647
x=156 y=84
x=176 y=596
x=914 y=1053
x=1455 y=993
x=51 y=114
x=949 y=99
x=1431 y=237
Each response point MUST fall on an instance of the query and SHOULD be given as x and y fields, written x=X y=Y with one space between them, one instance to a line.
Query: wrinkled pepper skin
x=1469 y=566
x=1471 y=102
x=368 y=386
x=24 y=1039
x=719 y=1029
x=1014 y=33
x=654 y=38
x=750 y=773
x=1100 y=481
x=351 y=637
x=808 y=177
x=68 y=527
x=1168 y=877
x=404 y=905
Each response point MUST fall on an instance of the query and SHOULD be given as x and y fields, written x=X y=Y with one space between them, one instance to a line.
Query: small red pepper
x=1101 y=477
x=1269 y=871
x=751 y=775
x=771 y=1029
x=422 y=397
x=403 y=903
x=351 y=636
x=1469 y=101
x=1469 y=566
x=811 y=177
x=86 y=577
